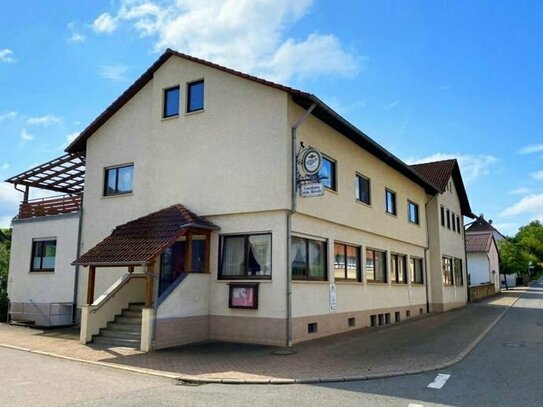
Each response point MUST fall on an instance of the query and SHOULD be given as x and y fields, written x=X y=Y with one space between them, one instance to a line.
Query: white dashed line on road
x=439 y=381
x=415 y=405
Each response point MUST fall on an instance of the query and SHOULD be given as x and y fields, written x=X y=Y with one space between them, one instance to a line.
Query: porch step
x=124 y=331
x=126 y=343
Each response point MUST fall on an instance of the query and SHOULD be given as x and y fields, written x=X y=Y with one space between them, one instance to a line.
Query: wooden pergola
x=65 y=174
x=140 y=243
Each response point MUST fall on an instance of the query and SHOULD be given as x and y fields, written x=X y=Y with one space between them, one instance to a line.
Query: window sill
x=117 y=195
x=414 y=223
x=417 y=284
x=41 y=272
x=394 y=215
x=311 y=281
x=243 y=280
x=348 y=282
x=194 y=112
x=399 y=284
x=370 y=282
x=175 y=116
x=331 y=190
x=367 y=205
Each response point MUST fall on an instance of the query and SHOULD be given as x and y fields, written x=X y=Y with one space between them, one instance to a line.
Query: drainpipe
x=77 y=268
x=426 y=250
x=291 y=212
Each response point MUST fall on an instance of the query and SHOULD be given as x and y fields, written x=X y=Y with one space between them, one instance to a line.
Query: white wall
x=43 y=287
x=479 y=269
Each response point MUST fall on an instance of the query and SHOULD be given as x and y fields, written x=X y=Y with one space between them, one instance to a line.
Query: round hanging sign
x=311 y=161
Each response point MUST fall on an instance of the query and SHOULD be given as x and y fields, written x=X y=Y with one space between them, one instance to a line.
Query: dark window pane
x=380 y=267
x=413 y=212
x=195 y=96
x=171 y=102
x=391 y=202
x=363 y=189
x=124 y=182
x=198 y=255
x=442 y=216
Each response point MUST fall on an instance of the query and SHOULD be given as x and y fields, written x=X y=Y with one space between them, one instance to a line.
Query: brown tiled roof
x=141 y=240
x=478 y=242
x=438 y=174
x=303 y=99
x=481 y=225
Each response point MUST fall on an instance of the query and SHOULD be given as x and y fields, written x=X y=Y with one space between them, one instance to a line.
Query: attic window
x=195 y=96
x=171 y=102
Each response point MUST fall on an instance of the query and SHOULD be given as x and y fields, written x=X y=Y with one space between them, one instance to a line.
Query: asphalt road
x=505 y=369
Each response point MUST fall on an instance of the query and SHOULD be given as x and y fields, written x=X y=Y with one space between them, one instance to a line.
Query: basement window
x=312 y=328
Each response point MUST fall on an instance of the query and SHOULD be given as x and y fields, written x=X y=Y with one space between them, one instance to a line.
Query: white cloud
x=538 y=175
x=9 y=195
x=7 y=116
x=529 y=204
x=507 y=228
x=4 y=166
x=76 y=37
x=105 y=23
x=471 y=166
x=249 y=35
x=535 y=148
x=72 y=136
x=7 y=56
x=26 y=136
x=46 y=120
x=113 y=72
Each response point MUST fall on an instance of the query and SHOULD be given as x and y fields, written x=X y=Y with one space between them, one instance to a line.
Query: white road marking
x=439 y=381
x=415 y=405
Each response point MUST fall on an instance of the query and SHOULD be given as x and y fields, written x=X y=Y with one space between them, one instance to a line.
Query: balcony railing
x=55 y=205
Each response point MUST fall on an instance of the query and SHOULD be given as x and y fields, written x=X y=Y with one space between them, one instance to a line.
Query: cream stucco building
x=191 y=225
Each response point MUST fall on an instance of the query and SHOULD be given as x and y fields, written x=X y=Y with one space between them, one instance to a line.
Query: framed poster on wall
x=243 y=296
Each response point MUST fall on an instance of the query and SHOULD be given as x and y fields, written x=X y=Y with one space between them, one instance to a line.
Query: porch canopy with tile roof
x=479 y=242
x=141 y=241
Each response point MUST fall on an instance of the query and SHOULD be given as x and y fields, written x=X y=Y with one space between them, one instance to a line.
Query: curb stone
x=192 y=380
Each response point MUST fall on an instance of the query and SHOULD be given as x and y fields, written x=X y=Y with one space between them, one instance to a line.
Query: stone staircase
x=124 y=331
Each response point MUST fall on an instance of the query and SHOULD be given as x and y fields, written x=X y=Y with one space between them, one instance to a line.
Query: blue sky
x=426 y=79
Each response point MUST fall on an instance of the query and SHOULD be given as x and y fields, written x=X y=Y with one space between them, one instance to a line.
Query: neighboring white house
x=192 y=224
x=483 y=259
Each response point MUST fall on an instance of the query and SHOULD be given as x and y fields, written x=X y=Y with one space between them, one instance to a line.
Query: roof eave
x=344 y=127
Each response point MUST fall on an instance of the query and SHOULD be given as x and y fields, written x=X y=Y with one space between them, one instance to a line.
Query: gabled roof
x=141 y=240
x=438 y=174
x=303 y=99
x=479 y=242
x=482 y=225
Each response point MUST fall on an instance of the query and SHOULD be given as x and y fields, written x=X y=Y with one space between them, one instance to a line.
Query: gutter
x=426 y=250
x=292 y=211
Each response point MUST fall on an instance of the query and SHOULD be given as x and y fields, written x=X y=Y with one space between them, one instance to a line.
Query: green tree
x=530 y=239
x=4 y=267
x=513 y=259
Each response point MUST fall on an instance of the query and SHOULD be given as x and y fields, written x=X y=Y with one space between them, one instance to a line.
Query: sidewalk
x=429 y=343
